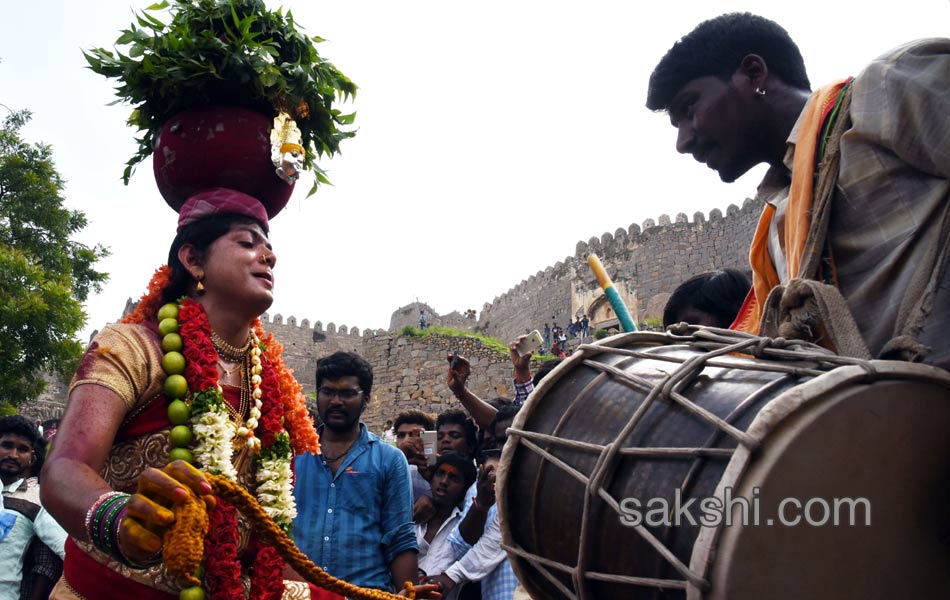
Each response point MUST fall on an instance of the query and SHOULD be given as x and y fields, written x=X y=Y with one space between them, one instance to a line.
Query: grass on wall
x=493 y=343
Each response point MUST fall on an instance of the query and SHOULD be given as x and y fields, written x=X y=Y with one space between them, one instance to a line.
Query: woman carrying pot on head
x=123 y=452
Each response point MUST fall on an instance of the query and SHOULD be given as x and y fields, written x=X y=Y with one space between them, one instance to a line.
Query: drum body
x=828 y=480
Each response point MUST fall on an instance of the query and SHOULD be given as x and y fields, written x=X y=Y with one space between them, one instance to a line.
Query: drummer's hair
x=413 y=417
x=716 y=48
x=545 y=368
x=717 y=293
x=346 y=364
x=200 y=235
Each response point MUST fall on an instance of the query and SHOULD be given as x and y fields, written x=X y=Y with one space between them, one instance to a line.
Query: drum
x=713 y=464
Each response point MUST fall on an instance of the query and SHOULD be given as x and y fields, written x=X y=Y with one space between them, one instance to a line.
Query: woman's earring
x=200 y=288
x=760 y=91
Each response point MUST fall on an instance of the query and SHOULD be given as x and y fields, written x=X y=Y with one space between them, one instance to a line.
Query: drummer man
x=736 y=90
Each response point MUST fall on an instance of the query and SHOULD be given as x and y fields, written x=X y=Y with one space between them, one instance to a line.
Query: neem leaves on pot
x=226 y=52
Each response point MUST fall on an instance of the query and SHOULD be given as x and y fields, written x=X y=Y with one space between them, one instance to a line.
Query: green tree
x=44 y=275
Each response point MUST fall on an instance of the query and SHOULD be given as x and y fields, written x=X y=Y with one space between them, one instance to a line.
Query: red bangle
x=479 y=507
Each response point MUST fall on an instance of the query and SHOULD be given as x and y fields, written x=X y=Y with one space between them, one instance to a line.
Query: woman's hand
x=150 y=511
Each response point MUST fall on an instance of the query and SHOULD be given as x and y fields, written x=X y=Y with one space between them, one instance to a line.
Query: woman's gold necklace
x=227 y=351
x=238 y=415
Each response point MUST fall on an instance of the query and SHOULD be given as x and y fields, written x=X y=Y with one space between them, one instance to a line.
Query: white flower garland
x=275 y=489
x=214 y=435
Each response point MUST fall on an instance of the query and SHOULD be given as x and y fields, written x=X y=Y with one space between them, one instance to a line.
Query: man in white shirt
x=21 y=501
x=453 y=474
x=477 y=538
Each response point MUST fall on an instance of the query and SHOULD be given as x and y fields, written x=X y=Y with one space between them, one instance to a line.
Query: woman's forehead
x=253 y=228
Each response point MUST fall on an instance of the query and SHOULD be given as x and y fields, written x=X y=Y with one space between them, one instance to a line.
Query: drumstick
x=626 y=321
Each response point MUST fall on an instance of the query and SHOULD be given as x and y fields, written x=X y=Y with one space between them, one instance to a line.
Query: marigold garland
x=209 y=418
x=151 y=300
x=213 y=449
x=271 y=533
x=183 y=545
x=182 y=551
x=297 y=419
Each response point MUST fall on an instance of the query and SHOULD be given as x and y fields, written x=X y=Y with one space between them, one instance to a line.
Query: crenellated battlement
x=645 y=260
x=607 y=245
x=304 y=325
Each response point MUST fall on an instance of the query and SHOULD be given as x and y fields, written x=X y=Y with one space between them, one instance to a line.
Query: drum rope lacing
x=801 y=359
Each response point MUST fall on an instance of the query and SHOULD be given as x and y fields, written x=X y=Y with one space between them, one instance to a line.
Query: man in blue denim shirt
x=354 y=501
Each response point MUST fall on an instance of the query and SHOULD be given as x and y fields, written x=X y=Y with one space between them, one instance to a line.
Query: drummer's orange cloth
x=797 y=212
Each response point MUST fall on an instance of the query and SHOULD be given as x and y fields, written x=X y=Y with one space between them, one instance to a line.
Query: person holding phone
x=409 y=427
x=477 y=538
x=481 y=411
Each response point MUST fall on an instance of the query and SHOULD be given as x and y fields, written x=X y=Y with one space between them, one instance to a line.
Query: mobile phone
x=530 y=343
x=455 y=359
x=428 y=446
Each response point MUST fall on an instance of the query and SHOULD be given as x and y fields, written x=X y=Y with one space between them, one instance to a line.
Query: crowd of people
x=453 y=504
x=123 y=467
x=375 y=511
x=556 y=338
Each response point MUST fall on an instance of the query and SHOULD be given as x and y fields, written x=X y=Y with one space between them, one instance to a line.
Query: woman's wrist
x=102 y=521
x=130 y=557
x=95 y=507
x=104 y=525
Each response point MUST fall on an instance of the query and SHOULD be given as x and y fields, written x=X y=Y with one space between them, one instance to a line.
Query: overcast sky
x=492 y=137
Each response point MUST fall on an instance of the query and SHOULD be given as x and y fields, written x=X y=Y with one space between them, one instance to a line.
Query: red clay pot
x=218 y=146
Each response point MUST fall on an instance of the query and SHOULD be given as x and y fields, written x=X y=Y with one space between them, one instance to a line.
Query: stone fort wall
x=409 y=371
